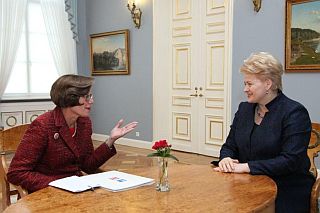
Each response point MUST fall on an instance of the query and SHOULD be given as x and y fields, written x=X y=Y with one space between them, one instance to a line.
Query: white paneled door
x=192 y=74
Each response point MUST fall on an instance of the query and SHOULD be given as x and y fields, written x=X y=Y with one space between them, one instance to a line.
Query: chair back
x=10 y=138
x=9 y=141
x=313 y=150
x=314 y=147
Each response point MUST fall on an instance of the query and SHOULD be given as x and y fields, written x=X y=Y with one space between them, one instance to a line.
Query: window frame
x=26 y=97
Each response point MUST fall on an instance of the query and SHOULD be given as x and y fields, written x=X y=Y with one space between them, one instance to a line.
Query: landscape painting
x=110 y=53
x=302 y=36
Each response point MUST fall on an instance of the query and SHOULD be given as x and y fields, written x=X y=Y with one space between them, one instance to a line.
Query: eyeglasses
x=88 y=97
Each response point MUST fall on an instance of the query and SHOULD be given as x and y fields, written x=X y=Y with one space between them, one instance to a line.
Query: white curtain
x=11 y=25
x=62 y=45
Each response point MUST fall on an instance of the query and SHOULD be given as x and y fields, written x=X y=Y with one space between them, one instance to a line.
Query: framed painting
x=302 y=47
x=109 y=53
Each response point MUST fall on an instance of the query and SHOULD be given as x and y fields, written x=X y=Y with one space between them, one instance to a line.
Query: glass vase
x=163 y=181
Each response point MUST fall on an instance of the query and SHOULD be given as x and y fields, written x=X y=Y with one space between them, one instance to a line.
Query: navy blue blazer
x=279 y=149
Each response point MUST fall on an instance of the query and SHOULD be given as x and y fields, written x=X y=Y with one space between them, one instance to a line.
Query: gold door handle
x=194 y=95
x=200 y=95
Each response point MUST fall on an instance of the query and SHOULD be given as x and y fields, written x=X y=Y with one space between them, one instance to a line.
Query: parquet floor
x=130 y=157
x=182 y=156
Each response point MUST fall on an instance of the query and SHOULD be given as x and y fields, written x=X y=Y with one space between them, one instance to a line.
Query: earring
x=267 y=92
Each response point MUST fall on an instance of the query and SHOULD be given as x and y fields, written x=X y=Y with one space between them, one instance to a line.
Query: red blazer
x=48 y=152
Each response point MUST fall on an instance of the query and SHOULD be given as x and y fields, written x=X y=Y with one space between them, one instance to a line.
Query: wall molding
x=17 y=113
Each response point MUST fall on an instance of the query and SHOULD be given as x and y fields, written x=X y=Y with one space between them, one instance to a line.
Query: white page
x=112 y=180
x=118 y=181
x=73 y=184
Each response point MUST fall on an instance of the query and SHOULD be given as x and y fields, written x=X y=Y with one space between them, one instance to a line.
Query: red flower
x=161 y=144
x=162 y=150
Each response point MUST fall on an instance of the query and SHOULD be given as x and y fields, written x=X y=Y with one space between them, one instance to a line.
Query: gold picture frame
x=109 y=53
x=302 y=46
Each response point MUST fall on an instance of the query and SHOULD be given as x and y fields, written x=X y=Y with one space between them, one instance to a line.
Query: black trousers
x=293 y=194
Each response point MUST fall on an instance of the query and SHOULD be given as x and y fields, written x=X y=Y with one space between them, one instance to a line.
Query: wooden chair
x=313 y=150
x=9 y=141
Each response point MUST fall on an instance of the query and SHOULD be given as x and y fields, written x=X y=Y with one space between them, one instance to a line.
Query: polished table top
x=194 y=188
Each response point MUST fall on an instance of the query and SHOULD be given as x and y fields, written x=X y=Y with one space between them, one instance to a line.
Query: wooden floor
x=130 y=157
x=183 y=157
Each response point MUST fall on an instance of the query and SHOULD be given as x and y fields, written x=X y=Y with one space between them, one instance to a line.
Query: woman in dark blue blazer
x=270 y=135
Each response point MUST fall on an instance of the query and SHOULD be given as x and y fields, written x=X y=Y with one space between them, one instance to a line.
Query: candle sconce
x=257 y=5
x=135 y=14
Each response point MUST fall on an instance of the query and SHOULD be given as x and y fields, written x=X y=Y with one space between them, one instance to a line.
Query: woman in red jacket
x=58 y=143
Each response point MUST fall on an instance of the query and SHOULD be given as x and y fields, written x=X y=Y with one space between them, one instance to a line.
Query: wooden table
x=194 y=188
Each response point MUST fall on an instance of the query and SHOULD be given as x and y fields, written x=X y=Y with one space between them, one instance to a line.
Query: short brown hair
x=265 y=66
x=66 y=90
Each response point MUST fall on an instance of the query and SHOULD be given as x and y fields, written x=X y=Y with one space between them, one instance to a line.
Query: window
x=34 y=70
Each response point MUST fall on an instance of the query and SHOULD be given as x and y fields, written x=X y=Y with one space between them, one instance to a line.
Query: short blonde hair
x=265 y=66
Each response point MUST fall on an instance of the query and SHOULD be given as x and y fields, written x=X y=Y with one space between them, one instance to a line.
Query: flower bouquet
x=163 y=150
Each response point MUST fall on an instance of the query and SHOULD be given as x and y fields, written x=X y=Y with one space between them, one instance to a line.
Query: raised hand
x=118 y=131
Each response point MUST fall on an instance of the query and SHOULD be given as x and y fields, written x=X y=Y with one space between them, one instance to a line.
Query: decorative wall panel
x=32 y=115
x=181 y=31
x=11 y=119
x=217 y=27
x=215 y=7
x=181 y=126
x=13 y=114
x=181 y=101
x=214 y=130
x=215 y=65
x=181 y=9
x=181 y=66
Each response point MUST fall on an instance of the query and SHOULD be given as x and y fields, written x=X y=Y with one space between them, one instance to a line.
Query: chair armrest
x=22 y=191
x=314 y=197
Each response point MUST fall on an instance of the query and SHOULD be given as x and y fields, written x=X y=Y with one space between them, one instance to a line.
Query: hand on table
x=232 y=165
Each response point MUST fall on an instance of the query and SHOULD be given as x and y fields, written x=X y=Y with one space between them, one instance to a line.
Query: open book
x=112 y=181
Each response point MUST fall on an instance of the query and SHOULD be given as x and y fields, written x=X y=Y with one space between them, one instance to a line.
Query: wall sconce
x=257 y=5
x=135 y=13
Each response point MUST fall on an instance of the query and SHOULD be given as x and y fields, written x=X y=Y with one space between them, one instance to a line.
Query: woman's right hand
x=227 y=164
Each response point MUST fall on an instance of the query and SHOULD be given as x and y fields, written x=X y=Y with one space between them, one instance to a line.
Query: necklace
x=258 y=113
x=73 y=130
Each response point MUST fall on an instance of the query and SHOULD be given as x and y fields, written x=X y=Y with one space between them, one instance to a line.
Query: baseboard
x=125 y=141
